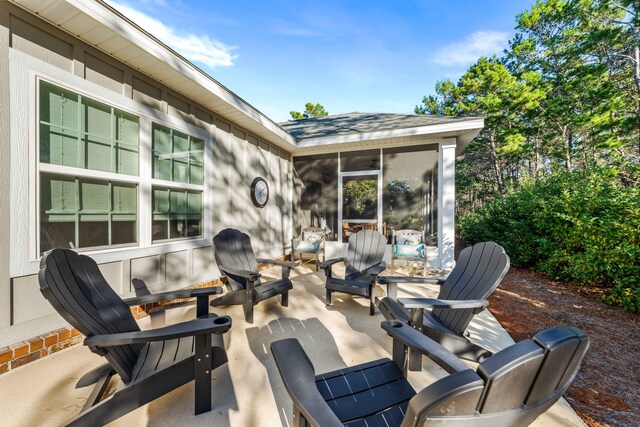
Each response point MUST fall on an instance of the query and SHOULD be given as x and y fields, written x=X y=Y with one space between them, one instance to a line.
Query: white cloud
x=195 y=47
x=468 y=50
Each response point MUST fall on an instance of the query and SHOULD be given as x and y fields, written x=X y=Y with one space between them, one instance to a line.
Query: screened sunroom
x=385 y=172
x=382 y=189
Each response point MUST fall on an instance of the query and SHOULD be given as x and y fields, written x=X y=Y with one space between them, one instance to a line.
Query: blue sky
x=368 y=56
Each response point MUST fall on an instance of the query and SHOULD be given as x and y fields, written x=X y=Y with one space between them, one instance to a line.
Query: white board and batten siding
x=233 y=158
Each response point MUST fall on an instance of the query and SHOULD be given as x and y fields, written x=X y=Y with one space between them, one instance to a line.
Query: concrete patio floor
x=247 y=391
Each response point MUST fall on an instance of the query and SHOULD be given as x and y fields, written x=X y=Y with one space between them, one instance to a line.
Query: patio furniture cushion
x=307 y=245
x=310 y=241
x=408 y=245
x=312 y=235
x=411 y=240
x=409 y=250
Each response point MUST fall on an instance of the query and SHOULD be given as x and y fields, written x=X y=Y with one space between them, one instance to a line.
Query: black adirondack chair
x=511 y=388
x=463 y=294
x=236 y=260
x=150 y=363
x=363 y=264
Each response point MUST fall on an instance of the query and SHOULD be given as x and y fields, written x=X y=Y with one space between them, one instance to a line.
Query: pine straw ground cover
x=607 y=388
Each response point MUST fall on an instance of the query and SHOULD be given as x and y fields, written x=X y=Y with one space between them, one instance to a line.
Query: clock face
x=259 y=192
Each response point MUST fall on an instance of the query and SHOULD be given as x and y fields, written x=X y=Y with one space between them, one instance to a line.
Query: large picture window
x=90 y=175
x=178 y=158
x=86 y=209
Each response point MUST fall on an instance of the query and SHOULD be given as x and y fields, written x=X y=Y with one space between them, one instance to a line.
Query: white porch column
x=446 y=202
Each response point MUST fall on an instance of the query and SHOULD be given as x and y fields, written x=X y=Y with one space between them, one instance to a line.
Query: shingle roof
x=351 y=123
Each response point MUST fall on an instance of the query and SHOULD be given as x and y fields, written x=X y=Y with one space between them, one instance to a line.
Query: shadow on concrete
x=314 y=337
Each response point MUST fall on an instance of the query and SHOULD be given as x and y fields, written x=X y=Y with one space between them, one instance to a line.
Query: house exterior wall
x=31 y=49
x=5 y=172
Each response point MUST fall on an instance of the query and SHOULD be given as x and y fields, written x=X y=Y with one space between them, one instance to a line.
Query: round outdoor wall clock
x=259 y=192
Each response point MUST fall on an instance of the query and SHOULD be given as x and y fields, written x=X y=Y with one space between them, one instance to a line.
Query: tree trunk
x=568 y=147
x=636 y=80
x=494 y=161
x=536 y=158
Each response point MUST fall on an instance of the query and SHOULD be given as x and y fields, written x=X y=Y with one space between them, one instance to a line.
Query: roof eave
x=463 y=131
x=117 y=23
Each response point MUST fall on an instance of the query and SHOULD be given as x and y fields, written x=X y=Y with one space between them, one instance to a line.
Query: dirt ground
x=606 y=391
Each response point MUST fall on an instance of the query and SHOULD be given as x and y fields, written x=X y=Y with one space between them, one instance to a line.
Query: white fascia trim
x=102 y=13
x=468 y=125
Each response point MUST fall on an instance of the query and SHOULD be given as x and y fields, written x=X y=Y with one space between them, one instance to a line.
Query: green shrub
x=579 y=226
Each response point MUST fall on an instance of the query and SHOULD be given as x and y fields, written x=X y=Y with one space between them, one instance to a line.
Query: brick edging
x=36 y=348
x=20 y=354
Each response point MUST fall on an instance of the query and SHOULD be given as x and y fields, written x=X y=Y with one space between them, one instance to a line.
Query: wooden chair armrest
x=217 y=325
x=412 y=303
x=385 y=280
x=409 y=337
x=169 y=295
x=328 y=263
x=354 y=283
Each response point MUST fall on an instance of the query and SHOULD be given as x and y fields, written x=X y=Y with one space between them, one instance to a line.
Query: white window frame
x=372 y=172
x=378 y=219
x=25 y=71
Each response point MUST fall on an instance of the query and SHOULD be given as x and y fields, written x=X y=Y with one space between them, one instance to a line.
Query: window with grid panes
x=84 y=134
x=177 y=158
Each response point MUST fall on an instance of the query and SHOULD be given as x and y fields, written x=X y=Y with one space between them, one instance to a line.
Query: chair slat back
x=232 y=248
x=366 y=249
x=512 y=387
x=564 y=348
x=508 y=376
x=76 y=288
x=531 y=372
x=478 y=272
